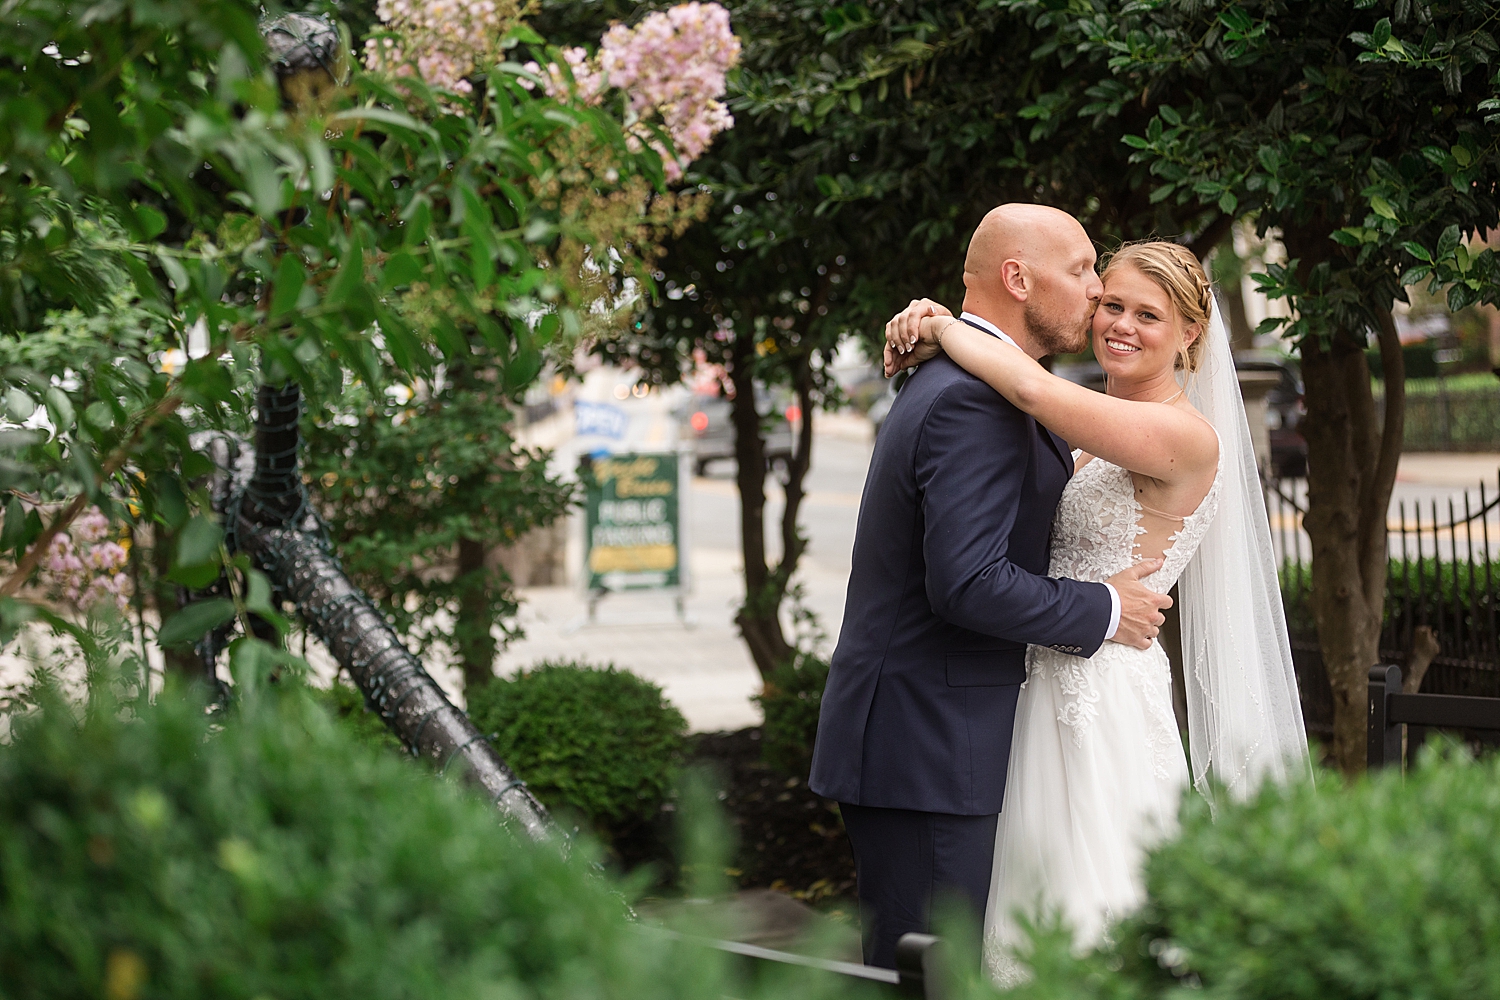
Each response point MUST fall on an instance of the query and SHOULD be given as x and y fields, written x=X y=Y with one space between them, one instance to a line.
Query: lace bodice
x=1098 y=520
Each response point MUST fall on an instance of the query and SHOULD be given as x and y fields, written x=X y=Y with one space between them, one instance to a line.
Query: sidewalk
x=1446 y=468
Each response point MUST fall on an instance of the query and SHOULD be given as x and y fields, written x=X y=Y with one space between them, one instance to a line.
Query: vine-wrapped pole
x=272 y=522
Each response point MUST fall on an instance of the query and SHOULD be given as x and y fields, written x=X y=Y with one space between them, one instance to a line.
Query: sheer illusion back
x=1101 y=528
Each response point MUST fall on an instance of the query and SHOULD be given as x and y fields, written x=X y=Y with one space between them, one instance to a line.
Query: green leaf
x=195 y=621
x=149 y=222
x=1136 y=142
x=175 y=271
x=1236 y=19
x=1448 y=241
x=1170 y=114
x=18 y=405
x=349 y=279
x=1228 y=203
x=16 y=535
x=59 y=409
x=1351 y=237
x=290 y=279
x=171 y=505
x=1381 y=34
x=1383 y=208
x=1417 y=250
x=401 y=269
x=199 y=543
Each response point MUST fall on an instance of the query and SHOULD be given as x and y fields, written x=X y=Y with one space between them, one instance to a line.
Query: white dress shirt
x=1114 y=595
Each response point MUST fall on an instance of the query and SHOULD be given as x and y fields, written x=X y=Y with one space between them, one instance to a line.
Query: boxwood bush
x=1387 y=888
x=147 y=851
x=790 y=700
x=595 y=741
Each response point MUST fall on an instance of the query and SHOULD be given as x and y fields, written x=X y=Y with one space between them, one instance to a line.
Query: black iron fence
x=1443 y=585
x=1462 y=419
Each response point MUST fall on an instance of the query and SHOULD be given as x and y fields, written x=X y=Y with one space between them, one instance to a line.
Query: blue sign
x=599 y=419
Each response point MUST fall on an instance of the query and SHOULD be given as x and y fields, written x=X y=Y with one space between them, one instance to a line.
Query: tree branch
x=1375 y=496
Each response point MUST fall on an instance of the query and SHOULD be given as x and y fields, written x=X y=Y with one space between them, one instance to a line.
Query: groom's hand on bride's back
x=1141 y=609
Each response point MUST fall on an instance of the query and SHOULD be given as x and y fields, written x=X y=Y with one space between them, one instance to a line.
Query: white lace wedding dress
x=1097 y=766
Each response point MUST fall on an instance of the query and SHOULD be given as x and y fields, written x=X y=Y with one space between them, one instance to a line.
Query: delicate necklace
x=1174 y=395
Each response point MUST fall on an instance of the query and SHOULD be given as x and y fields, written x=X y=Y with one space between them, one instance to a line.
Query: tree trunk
x=473 y=632
x=1351 y=470
x=759 y=618
x=167 y=597
x=1241 y=334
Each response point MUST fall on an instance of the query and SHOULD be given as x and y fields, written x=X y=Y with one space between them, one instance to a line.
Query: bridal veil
x=1244 y=715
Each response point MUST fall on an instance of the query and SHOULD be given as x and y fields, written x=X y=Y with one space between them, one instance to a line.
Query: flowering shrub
x=671 y=66
x=85 y=564
x=443 y=40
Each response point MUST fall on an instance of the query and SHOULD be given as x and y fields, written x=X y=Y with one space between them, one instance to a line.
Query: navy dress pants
x=906 y=861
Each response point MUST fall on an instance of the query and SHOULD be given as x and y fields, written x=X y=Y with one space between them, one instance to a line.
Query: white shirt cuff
x=1114 y=612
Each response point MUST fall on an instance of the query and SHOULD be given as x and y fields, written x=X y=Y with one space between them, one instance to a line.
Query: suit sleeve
x=970 y=469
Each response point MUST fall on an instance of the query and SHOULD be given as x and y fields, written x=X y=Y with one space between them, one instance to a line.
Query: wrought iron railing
x=1443 y=576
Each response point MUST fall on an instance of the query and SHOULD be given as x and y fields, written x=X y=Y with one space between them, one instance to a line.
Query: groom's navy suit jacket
x=947 y=588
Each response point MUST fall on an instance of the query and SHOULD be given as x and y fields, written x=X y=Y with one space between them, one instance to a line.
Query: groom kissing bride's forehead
x=990 y=553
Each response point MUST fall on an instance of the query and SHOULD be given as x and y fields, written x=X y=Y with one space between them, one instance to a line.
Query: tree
x=420 y=485
x=1365 y=136
x=868 y=143
x=383 y=233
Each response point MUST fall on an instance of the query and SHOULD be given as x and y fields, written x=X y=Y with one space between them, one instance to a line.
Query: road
x=704 y=668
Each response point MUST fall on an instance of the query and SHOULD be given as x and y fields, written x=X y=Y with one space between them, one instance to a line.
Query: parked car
x=1284 y=410
x=881 y=405
x=708 y=421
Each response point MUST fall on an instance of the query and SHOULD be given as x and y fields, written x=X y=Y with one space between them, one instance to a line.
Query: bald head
x=1028 y=233
x=1030 y=270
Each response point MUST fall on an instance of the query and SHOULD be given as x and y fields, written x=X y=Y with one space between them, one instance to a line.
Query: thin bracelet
x=938 y=340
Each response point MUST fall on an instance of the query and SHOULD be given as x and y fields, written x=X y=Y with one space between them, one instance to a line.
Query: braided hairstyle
x=1174 y=268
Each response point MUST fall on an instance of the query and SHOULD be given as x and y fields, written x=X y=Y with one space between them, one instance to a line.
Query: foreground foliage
x=145 y=854
x=1383 y=888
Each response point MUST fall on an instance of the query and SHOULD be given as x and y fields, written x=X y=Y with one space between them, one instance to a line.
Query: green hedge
x=148 y=852
x=1388 y=888
x=790 y=701
x=1417 y=581
x=596 y=741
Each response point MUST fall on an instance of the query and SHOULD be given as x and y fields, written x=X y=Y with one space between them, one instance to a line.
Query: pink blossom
x=85 y=564
x=443 y=41
x=670 y=67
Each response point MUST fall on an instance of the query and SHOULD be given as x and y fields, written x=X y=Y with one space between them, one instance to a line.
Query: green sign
x=633 y=523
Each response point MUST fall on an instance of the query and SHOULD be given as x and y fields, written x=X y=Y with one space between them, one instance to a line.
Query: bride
x=1164 y=468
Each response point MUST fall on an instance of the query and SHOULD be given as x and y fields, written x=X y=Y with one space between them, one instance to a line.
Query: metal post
x=916 y=965
x=1384 y=746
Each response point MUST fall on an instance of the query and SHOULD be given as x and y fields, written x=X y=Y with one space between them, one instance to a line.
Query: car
x=881 y=405
x=707 y=420
x=1284 y=410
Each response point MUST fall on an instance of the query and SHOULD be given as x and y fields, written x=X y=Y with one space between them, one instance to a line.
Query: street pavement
x=703 y=666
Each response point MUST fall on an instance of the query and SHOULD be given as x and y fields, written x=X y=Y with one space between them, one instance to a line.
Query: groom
x=948 y=587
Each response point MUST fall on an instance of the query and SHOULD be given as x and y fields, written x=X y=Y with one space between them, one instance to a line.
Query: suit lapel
x=1059 y=447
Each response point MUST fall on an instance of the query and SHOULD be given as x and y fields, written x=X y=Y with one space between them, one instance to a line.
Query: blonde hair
x=1174 y=268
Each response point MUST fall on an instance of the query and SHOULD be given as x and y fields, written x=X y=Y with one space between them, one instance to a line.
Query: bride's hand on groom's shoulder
x=904 y=345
